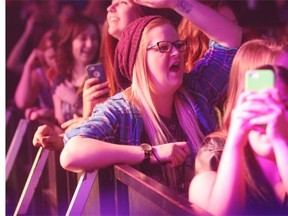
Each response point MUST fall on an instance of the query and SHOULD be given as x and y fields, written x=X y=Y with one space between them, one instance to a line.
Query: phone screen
x=256 y=80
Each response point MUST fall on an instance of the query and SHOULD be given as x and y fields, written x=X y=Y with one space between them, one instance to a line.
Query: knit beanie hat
x=127 y=49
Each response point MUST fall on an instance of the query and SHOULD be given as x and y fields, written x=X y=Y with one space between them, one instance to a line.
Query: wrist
x=147 y=151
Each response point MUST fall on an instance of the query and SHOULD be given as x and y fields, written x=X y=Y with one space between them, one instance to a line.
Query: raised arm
x=212 y=23
x=28 y=88
x=14 y=61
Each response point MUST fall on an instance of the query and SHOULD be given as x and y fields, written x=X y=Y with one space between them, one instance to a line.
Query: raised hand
x=72 y=123
x=93 y=93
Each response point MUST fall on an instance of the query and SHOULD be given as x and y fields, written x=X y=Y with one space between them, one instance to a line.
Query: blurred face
x=120 y=14
x=260 y=142
x=85 y=45
x=165 y=69
x=49 y=56
x=65 y=12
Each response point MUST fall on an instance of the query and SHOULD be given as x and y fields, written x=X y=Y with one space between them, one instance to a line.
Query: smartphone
x=96 y=71
x=256 y=80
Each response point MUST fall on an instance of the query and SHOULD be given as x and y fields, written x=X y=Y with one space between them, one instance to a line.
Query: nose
x=111 y=7
x=174 y=51
x=89 y=42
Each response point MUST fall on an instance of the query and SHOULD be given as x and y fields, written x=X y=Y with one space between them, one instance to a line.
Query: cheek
x=76 y=47
x=156 y=65
x=129 y=16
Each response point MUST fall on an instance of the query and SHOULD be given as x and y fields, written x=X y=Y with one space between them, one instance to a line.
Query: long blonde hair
x=157 y=132
x=250 y=55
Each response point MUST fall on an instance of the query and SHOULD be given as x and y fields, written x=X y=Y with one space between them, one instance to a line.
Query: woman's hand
x=275 y=117
x=40 y=114
x=48 y=138
x=35 y=57
x=174 y=154
x=250 y=106
x=72 y=123
x=93 y=93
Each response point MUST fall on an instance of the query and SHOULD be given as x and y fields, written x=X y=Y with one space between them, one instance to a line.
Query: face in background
x=66 y=11
x=165 y=70
x=120 y=15
x=85 y=45
x=49 y=56
x=259 y=141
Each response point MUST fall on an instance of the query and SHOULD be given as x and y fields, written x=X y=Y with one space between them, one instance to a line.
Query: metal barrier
x=134 y=194
x=15 y=145
x=32 y=182
x=121 y=190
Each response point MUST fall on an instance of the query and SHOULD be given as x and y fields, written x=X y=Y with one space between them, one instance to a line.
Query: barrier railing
x=15 y=145
x=122 y=190
x=32 y=182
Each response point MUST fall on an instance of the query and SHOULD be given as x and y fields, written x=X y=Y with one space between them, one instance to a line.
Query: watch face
x=146 y=147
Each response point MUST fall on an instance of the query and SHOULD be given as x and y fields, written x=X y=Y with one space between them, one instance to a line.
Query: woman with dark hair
x=78 y=46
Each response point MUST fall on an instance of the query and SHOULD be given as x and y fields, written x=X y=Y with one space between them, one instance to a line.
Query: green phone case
x=256 y=80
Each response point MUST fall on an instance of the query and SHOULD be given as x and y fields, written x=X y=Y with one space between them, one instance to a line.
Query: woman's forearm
x=80 y=154
x=212 y=23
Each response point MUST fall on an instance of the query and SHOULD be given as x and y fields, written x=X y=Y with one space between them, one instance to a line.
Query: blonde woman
x=251 y=177
x=154 y=122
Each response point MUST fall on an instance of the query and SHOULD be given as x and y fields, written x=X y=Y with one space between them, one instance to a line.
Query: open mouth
x=175 y=67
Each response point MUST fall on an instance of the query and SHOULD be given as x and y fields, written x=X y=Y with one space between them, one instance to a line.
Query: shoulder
x=208 y=157
x=200 y=188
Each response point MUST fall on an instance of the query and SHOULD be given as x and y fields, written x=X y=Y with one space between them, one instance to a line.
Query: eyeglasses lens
x=166 y=46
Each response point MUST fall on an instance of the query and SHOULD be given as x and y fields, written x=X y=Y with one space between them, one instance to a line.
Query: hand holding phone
x=257 y=80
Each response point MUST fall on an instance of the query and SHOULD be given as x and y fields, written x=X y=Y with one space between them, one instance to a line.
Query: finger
x=99 y=94
x=91 y=82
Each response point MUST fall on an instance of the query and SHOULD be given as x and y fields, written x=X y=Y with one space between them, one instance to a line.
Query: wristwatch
x=147 y=150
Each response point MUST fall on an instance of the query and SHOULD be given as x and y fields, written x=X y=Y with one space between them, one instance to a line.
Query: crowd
x=174 y=102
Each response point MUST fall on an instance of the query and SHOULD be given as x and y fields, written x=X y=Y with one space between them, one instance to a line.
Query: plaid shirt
x=118 y=121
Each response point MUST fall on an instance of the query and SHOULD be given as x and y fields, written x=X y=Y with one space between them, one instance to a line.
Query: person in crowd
x=78 y=45
x=251 y=176
x=119 y=15
x=37 y=80
x=162 y=112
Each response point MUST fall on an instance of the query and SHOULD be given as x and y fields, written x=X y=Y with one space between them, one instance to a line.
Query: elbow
x=69 y=158
x=238 y=36
x=20 y=104
x=236 y=39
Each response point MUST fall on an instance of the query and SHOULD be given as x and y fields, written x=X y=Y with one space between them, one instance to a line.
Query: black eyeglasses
x=166 y=46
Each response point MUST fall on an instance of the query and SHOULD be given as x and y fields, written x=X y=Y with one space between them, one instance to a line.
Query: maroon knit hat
x=127 y=48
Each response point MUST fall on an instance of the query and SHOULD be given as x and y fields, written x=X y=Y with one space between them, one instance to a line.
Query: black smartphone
x=96 y=71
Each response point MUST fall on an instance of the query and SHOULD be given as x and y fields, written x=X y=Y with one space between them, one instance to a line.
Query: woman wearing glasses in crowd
x=159 y=120
x=119 y=15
